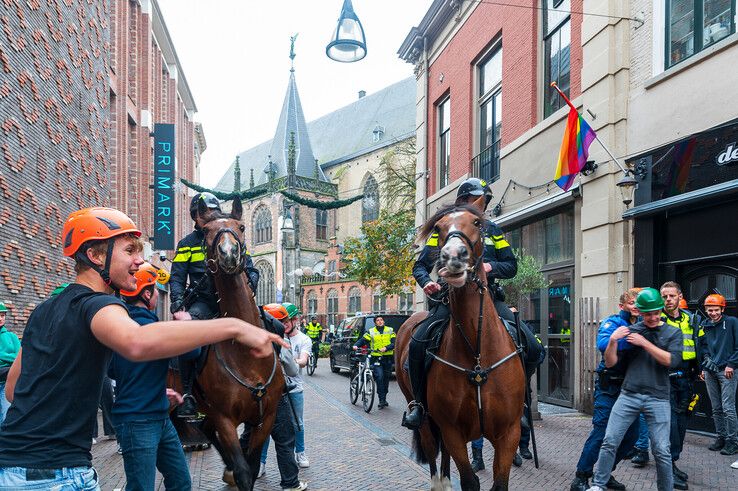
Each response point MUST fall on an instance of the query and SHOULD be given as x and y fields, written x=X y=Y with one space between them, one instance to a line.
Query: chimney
x=362 y=93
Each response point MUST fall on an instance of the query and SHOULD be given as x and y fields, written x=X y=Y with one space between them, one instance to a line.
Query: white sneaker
x=734 y=465
x=94 y=441
x=262 y=470
x=596 y=488
x=300 y=487
x=302 y=460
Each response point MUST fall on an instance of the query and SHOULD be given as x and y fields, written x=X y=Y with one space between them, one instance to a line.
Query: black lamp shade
x=348 y=43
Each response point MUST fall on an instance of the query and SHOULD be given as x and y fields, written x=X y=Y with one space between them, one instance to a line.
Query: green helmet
x=59 y=289
x=292 y=309
x=3 y=308
x=649 y=300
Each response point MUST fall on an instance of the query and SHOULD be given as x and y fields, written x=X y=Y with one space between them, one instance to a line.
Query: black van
x=349 y=330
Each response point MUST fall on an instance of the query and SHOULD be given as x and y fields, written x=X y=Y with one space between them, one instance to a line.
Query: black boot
x=188 y=409
x=416 y=372
x=730 y=448
x=580 y=482
x=718 y=444
x=613 y=483
x=678 y=472
x=517 y=460
x=680 y=483
x=525 y=453
x=477 y=462
x=640 y=459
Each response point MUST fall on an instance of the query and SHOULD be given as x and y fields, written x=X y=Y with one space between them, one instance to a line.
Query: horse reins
x=477 y=376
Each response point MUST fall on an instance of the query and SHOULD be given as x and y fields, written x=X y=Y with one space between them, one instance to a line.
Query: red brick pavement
x=349 y=449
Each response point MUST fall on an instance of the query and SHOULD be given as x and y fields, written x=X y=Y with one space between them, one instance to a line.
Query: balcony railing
x=486 y=165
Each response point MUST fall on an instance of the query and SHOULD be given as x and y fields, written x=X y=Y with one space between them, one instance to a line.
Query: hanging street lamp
x=348 y=43
x=627 y=187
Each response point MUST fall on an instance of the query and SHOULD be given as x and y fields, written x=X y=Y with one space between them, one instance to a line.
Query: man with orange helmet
x=148 y=440
x=55 y=382
x=718 y=338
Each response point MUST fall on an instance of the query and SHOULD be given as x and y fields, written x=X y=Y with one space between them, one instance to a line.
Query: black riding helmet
x=474 y=187
x=210 y=201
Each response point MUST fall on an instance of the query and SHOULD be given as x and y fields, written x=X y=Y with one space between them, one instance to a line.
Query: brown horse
x=458 y=410
x=234 y=387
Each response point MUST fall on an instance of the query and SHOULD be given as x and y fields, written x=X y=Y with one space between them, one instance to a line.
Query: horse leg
x=208 y=429
x=228 y=437
x=425 y=441
x=456 y=447
x=506 y=445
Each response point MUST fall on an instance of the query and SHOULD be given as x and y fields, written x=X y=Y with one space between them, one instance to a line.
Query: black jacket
x=497 y=252
x=188 y=267
x=719 y=341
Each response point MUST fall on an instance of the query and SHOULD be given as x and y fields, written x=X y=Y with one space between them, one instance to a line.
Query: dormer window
x=378 y=133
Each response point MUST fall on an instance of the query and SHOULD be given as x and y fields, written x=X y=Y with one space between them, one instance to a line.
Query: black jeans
x=283 y=434
x=680 y=396
x=106 y=404
x=382 y=374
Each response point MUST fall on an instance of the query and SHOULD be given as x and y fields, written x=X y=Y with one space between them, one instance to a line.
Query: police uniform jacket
x=497 y=252
x=188 y=267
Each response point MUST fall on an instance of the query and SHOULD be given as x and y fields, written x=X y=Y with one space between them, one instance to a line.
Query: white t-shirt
x=300 y=343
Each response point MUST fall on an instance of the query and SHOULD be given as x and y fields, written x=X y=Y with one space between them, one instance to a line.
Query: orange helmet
x=277 y=310
x=683 y=304
x=94 y=224
x=716 y=300
x=146 y=275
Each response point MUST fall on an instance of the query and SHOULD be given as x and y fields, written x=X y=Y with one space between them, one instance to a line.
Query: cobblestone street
x=349 y=449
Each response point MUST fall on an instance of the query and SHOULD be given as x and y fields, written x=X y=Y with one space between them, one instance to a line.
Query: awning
x=655 y=207
x=548 y=203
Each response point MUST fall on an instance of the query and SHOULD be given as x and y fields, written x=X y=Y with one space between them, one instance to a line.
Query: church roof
x=370 y=123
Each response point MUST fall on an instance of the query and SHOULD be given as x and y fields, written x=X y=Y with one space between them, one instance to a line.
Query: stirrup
x=413 y=405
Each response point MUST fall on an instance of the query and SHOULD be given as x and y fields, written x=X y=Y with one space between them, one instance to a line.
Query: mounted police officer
x=499 y=263
x=192 y=290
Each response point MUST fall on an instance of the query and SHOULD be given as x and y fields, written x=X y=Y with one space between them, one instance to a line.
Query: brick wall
x=53 y=153
x=518 y=28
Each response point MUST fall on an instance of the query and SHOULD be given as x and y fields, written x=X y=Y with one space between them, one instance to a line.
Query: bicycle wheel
x=370 y=388
x=311 y=365
x=354 y=389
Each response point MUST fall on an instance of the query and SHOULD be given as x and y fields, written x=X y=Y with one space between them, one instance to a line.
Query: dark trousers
x=382 y=368
x=283 y=434
x=316 y=348
x=106 y=404
x=680 y=396
x=604 y=400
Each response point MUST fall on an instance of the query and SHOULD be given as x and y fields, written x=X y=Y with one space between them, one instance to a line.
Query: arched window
x=370 y=202
x=312 y=302
x=380 y=302
x=332 y=309
x=262 y=225
x=354 y=300
x=265 y=292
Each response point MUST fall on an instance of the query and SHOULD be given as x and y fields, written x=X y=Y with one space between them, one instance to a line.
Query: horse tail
x=421 y=457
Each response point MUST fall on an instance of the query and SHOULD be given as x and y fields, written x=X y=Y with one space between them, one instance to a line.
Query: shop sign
x=558 y=291
x=730 y=154
x=164 y=178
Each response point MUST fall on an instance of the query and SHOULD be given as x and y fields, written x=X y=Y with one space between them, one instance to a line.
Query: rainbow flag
x=574 y=149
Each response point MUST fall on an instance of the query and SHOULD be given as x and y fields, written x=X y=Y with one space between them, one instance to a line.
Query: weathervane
x=292 y=52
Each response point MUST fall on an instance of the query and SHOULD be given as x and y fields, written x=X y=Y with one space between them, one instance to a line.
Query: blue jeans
x=382 y=368
x=721 y=391
x=624 y=413
x=4 y=404
x=604 y=400
x=148 y=446
x=642 y=443
x=67 y=479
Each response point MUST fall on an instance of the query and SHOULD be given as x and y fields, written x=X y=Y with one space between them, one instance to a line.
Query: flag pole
x=617 y=162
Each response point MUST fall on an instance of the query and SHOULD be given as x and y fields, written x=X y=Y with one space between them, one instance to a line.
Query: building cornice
x=435 y=19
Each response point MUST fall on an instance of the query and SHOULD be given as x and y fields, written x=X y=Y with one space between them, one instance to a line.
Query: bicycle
x=312 y=362
x=362 y=382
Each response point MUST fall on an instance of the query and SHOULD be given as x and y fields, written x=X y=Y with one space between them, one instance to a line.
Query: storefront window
x=550 y=240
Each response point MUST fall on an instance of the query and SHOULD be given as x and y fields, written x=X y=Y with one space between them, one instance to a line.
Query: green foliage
x=528 y=279
x=321 y=205
x=383 y=255
x=324 y=350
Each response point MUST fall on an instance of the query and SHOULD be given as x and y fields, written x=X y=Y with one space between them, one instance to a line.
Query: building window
x=321 y=224
x=332 y=307
x=312 y=303
x=354 y=300
x=405 y=303
x=550 y=240
x=556 y=47
x=693 y=25
x=265 y=292
x=331 y=267
x=370 y=201
x=443 y=111
x=379 y=302
x=486 y=164
x=262 y=225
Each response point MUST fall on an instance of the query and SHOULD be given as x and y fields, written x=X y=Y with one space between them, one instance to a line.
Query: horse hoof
x=441 y=484
x=228 y=478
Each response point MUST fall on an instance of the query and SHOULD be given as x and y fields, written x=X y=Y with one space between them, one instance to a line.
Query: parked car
x=349 y=330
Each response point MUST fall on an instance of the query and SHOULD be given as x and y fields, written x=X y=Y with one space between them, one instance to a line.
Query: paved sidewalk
x=349 y=449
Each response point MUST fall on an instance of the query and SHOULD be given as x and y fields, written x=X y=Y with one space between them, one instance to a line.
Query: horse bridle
x=212 y=264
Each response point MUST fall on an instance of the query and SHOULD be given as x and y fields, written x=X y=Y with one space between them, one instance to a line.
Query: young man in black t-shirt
x=55 y=383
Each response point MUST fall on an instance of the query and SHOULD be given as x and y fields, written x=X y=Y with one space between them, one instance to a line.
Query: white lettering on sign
x=730 y=154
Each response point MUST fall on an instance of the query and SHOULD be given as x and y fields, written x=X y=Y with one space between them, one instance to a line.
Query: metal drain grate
x=386 y=441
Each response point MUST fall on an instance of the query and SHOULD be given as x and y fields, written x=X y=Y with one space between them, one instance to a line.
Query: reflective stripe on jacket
x=378 y=340
x=684 y=323
x=313 y=330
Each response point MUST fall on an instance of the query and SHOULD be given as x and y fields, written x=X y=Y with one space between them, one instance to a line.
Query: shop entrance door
x=556 y=377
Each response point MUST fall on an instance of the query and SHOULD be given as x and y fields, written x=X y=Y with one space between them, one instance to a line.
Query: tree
x=528 y=279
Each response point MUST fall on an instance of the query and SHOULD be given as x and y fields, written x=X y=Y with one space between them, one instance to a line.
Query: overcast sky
x=235 y=56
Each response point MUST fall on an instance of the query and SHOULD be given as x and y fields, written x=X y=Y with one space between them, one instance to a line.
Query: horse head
x=461 y=242
x=224 y=238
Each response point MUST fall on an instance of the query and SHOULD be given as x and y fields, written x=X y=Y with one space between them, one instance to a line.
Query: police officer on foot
x=381 y=341
x=192 y=290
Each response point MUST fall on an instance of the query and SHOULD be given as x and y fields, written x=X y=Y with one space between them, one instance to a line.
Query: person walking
x=9 y=346
x=147 y=438
x=55 y=382
x=656 y=348
x=106 y=407
x=718 y=338
x=300 y=344
x=607 y=389
x=381 y=341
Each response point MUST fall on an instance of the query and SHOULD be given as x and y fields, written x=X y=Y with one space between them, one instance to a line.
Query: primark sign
x=164 y=180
